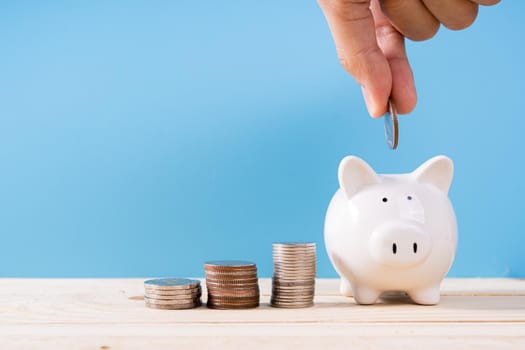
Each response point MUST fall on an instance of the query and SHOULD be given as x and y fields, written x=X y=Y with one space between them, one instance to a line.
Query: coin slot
x=414 y=246
x=385 y=199
x=394 y=248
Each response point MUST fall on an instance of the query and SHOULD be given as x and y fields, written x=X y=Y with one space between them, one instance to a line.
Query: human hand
x=370 y=41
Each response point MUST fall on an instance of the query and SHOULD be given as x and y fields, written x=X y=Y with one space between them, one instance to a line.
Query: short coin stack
x=232 y=284
x=293 y=283
x=172 y=293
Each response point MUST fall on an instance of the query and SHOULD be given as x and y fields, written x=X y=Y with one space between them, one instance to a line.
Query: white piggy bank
x=392 y=232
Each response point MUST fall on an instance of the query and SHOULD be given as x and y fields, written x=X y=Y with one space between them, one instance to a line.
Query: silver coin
x=172 y=283
x=311 y=285
x=169 y=302
x=306 y=253
x=292 y=290
x=301 y=282
x=294 y=244
x=391 y=126
x=295 y=263
x=298 y=264
x=292 y=299
x=294 y=267
x=286 y=278
x=305 y=303
x=174 y=306
x=182 y=292
x=291 y=306
x=172 y=289
x=278 y=270
x=295 y=255
x=291 y=249
x=172 y=294
x=172 y=297
x=301 y=261
x=290 y=267
x=293 y=276
x=288 y=290
x=292 y=296
x=283 y=273
x=293 y=284
x=288 y=274
x=297 y=260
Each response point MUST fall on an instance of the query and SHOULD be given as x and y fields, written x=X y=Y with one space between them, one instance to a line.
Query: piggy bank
x=394 y=232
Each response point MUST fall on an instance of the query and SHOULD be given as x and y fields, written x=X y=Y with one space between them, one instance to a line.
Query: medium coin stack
x=172 y=293
x=232 y=284
x=293 y=282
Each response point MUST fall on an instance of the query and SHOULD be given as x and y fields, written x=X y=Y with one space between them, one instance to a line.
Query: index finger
x=352 y=26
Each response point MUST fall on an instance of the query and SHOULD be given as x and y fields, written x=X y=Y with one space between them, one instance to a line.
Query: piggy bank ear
x=437 y=171
x=354 y=174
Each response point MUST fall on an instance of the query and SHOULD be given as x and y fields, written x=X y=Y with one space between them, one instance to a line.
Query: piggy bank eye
x=385 y=199
x=409 y=198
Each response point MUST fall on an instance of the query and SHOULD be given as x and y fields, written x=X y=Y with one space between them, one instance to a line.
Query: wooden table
x=110 y=314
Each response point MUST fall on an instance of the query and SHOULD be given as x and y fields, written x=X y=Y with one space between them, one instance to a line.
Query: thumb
x=353 y=30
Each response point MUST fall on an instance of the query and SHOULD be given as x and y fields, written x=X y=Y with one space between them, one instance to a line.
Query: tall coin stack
x=293 y=282
x=172 y=293
x=232 y=284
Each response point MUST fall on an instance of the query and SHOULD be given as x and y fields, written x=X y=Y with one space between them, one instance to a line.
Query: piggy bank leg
x=345 y=288
x=364 y=295
x=428 y=296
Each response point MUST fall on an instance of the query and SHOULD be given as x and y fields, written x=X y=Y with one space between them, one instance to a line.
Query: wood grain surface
x=110 y=314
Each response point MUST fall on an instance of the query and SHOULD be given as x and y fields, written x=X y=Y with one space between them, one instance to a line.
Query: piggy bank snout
x=400 y=244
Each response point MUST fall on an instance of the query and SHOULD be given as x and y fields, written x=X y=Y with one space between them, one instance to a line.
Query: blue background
x=140 y=138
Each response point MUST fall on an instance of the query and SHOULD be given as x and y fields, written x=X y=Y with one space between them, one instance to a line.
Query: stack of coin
x=293 y=282
x=172 y=293
x=232 y=284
